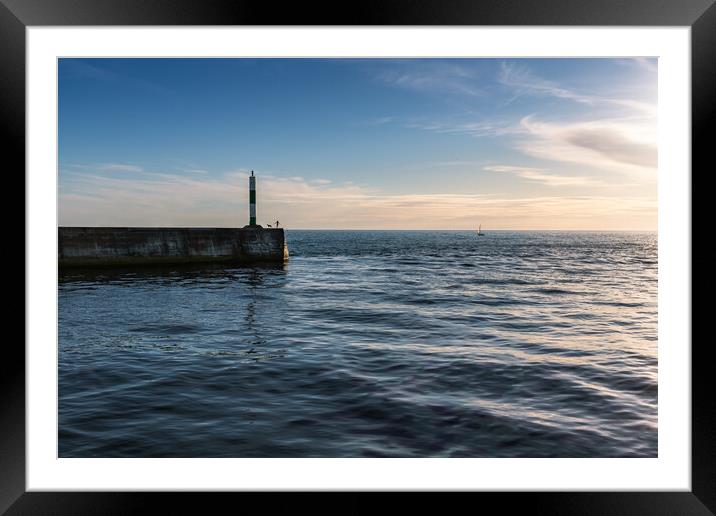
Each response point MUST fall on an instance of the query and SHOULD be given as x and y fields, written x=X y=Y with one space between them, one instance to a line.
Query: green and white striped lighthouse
x=252 y=199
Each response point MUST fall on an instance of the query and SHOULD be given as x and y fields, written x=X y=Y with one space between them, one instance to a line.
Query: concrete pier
x=112 y=247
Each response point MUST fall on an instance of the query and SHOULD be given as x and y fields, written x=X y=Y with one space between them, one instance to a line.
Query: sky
x=359 y=143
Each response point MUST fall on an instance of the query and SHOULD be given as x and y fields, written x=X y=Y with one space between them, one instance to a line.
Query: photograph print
x=419 y=257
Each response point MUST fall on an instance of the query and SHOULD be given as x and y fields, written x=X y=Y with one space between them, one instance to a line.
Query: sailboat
x=479 y=231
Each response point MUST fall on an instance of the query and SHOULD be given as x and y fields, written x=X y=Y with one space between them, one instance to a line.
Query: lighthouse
x=252 y=199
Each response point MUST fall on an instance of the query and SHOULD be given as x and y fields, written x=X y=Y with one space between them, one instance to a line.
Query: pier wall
x=106 y=247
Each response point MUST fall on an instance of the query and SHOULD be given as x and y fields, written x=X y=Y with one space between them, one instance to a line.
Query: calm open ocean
x=370 y=344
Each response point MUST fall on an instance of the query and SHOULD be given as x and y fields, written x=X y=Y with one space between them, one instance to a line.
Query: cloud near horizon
x=538 y=175
x=173 y=200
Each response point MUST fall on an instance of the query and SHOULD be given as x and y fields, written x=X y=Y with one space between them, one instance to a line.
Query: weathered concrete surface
x=107 y=247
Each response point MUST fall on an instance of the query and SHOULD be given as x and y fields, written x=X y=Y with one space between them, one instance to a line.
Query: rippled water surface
x=370 y=344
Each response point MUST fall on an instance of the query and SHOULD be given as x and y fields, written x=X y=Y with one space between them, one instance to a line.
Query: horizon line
x=377 y=229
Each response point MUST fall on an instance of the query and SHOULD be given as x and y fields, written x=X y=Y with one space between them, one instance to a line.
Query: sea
x=370 y=344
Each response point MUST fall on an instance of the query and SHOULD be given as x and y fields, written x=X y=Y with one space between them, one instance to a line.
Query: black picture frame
x=17 y=15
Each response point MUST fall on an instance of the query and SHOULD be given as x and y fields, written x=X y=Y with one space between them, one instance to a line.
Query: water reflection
x=174 y=273
x=254 y=281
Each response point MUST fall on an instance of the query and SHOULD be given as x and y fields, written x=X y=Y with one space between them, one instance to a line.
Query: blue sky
x=359 y=143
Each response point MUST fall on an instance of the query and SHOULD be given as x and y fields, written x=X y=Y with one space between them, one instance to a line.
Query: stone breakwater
x=114 y=247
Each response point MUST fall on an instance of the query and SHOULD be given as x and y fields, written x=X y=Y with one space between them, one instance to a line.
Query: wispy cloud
x=522 y=81
x=473 y=128
x=449 y=163
x=382 y=120
x=194 y=170
x=120 y=167
x=429 y=76
x=539 y=175
x=108 y=167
